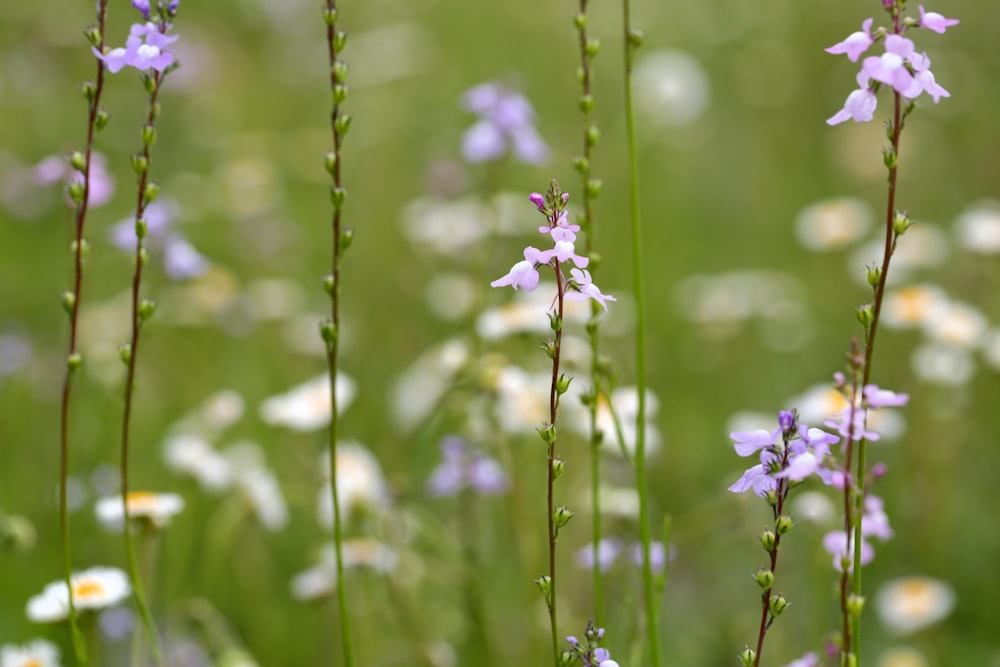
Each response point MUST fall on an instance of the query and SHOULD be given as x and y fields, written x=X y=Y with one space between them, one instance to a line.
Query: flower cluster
x=148 y=45
x=505 y=118
x=524 y=274
x=588 y=652
x=902 y=67
x=792 y=451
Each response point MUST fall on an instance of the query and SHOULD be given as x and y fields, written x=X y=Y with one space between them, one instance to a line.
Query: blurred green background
x=733 y=146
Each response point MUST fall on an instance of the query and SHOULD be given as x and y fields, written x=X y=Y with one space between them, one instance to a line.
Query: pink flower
x=856 y=43
x=588 y=290
x=883 y=398
x=523 y=274
x=860 y=104
x=934 y=21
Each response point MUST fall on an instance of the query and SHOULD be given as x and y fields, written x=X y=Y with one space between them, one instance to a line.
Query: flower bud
x=581 y=164
x=593 y=135
x=149 y=135
x=339 y=93
x=544 y=584
x=151 y=192
x=346 y=238
x=328 y=332
x=777 y=604
x=125 y=353
x=900 y=223
x=76 y=192
x=558 y=466
x=342 y=124
x=89 y=90
x=148 y=84
x=855 y=604
x=873 y=275
x=593 y=47
x=74 y=362
x=141 y=228
x=139 y=164
x=146 y=309
x=635 y=38
x=586 y=103
x=561 y=516
x=143 y=256
x=77 y=160
x=337 y=195
x=783 y=524
x=339 y=41
x=101 y=119
x=329 y=15
x=764 y=578
x=767 y=540
x=68 y=300
x=555 y=322
x=866 y=315
x=562 y=383
x=328 y=284
x=889 y=158
x=594 y=187
x=748 y=657
x=548 y=433
x=568 y=659
x=93 y=35
x=330 y=162
x=340 y=71
x=549 y=347
x=580 y=21
x=771 y=497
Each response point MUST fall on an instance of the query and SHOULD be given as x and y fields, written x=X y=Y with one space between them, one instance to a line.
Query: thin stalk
x=72 y=357
x=765 y=618
x=140 y=311
x=583 y=165
x=550 y=477
x=649 y=593
x=331 y=330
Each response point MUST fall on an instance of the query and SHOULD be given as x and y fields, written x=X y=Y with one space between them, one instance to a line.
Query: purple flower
x=934 y=21
x=181 y=260
x=883 y=398
x=608 y=550
x=756 y=478
x=837 y=544
x=53 y=169
x=808 y=660
x=859 y=107
x=659 y=555
x=748 y=442
x=588 y=290
x=464 y=469
x=564 y=249
x=850 y=423
x=856 y=43
x=143 y=7
x=506 y=120
x=146 y=48
x=523 y=274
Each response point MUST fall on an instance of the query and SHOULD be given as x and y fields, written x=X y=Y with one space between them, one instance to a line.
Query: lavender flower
x=588 y=652
x=901 y=67
x=147 y=47
x=793 y=451
x=506 y=122
x=180 y=259
x=465 y=469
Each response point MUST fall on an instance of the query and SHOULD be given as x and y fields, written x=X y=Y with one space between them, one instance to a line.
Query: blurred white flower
x=193 y=456
x=832 y=224
x=95 y=588
x=360 y=485
x=275 y=298
x=902 y=656
x=912 y=603
x=451 y=296
x=957 y=324
x=526 y=313
x=321 y=580
x=941 y=363
x=626 y=404
x=923 y=246
x=671 y=88
x=421 y=386
x=522 y=404
x=156 y=508
x=978 y=228
x=912 y=305
x=37 y=653
x=447 y=227
x=258 y=483
x=307 y=407
x=814 y=507
x=222 y=409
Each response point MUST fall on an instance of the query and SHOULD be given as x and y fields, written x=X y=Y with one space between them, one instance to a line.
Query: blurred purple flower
x=506 y=121
x=180 y=259
x=608 y=549
x=464 y=469
x=57 y=168
x=934 y=21
x=659 y=555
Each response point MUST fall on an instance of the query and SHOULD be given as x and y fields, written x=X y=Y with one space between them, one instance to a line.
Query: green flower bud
x=342 y=124
x=346 y=238
x=146 y=309
x=581 y=164
x=339 y=93
x=866 y=315
x=777 y=604
x=328 y=332
x=636 y=38
x=339 y=41
x=900 y=223
x=581 y=75
x=337 y=195
x=93 y=36
x=76 y=192
x=68 y=300
x=141 y=228
x=855 y=604
x=783 y=524
x=568 y=659
x=149 y=135
x=329 y=15
x=558 y=466
x=89 y=90
x=594 y=187
x=330 y=162
x=555 y=322
x=74 y=362
x=561 y=516
x=328 y=284
x=593 y=135
x=549 y=347
x=748 y=657
x=580 y=21
x=586 y=103
x=139 y=164
x=125 y=353
x=767 y=540
x=548 y=433
x=593 y=47
x=148 y=84
x=562 y=383
x=889 y=158
x=340 y=71
x=544 y=584
x=151 y=192
x=101 y=119
x=764 y=578
x=771 y=497
x=873 y=275
x=83 y=245
x=77 y=160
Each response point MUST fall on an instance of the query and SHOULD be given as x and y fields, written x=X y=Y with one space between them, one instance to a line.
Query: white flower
x=192 y=455
x=422 y=385
x=833 y=223
x=671 y=88
x=912 y=305
x=38 y=653
x=446 y=227
x=222 y=409
x=360 y=484
x=909 y=604
x=95 y=588
x=923 y=246
x=955 y=323
x=902 y=656
x=321 y=580
x=626 y=403
x=941 y=363
x=978 y=228
x=258 y=483
x=157 y=508
x=526 y=314
x=522 y=403
x=307 y=407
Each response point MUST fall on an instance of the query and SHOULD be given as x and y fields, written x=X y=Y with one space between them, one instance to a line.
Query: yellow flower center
x=87 y=588
x=917 y=599
x=140 y=501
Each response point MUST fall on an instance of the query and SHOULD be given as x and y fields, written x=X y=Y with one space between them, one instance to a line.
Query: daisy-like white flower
x=421 y=386
x=37 y=653
x=833 y=223
x=978 y=228
x=912 y=603
x=258 y=484
x=155 y=508
x=96 y=588
x=321 y=580
x=957 y=324
x=307 y=407
x=193 y=456
x=626 y=403
x=902 y=656
x=912 y=305
x=360 y=484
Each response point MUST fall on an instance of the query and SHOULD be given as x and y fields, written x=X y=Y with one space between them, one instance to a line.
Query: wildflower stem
x=765 y=611
x=334 y=41
x=72 y=365
x=137 y=315
x=553 y=414
x=651 y=606
x=583 y=165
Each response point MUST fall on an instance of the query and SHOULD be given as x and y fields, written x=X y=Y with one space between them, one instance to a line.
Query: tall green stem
x=330 y=329
x=631 y=40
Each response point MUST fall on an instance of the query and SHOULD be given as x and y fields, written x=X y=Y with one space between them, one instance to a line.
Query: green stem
x=649 y=593
x=333 y=41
